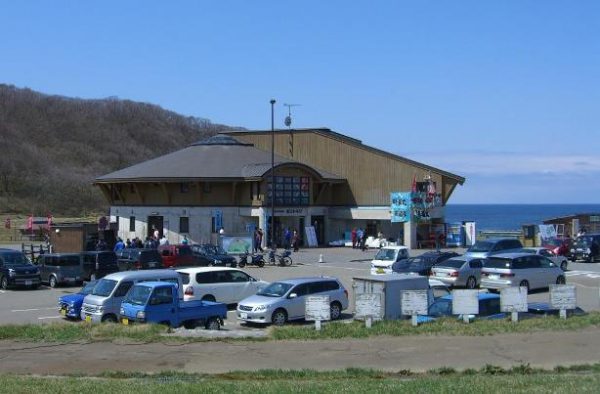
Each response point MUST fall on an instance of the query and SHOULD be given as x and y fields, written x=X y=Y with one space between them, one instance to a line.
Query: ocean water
x=512 y=216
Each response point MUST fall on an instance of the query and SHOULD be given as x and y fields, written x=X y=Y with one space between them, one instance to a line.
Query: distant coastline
x=512 y=216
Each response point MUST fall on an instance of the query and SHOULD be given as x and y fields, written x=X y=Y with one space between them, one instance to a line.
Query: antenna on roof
x=288 y=118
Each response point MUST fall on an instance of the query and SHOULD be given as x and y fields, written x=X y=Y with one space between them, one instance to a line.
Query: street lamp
x=272 y=173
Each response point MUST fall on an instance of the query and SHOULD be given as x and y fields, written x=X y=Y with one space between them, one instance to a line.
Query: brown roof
x=219 y=157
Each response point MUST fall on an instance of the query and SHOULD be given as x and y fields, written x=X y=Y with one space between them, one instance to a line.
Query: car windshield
x=14 y=259
x=385 y=254
x=532 y=251
x=417 y=266
x=104 y=287
x=451 y=263
x=138 y=295
x=441 y=308
x=481 y=246
x=495 y=262
x=277 y=289
x=87 y=289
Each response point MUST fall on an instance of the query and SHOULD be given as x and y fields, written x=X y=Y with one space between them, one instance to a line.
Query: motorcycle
x=283 y=259
x=251 y=259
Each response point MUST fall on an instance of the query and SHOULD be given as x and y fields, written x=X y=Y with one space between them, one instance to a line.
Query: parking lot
x=40 y=306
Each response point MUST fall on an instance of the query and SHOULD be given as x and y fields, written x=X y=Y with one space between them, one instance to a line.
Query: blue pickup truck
x=158 y=302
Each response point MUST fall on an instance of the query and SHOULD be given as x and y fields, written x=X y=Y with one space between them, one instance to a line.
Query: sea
x=512 y=216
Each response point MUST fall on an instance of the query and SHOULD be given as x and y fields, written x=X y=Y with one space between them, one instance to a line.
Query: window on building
x=132 y=223
x=184 y=224
x=290 y=190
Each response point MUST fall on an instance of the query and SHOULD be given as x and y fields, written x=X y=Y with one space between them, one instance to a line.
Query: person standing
x=255 y=240
x=260 y=239
x=163 y=241
x=363 y=241
x=185 y=240
x=288 y=238
x=119 y=245
x=353 y=237
x=295 y=241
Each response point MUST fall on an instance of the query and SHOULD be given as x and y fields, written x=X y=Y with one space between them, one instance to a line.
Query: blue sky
x=505 y=93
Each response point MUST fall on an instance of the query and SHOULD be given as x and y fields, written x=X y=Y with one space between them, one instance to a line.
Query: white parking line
x=33 y=309
x=49 y=317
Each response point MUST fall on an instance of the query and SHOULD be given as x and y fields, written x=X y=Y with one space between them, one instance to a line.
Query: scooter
x=251 y=259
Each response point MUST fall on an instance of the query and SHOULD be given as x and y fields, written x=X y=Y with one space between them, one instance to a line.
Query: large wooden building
x=322 y=178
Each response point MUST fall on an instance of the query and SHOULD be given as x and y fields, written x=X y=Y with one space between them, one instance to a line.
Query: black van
x=586 y=247
x=60 y=268
x=17 y=270
x=98 y=264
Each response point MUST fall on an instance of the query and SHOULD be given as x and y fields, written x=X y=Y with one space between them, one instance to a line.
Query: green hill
x=53 y=147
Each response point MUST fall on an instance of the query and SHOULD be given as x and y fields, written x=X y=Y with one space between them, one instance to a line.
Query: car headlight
x=372 y=265
x=260 y=308
x=141 y=315
x=588 y=251
x=218 y=261
x=11 y=272
x=100 y=308
x=121 y=311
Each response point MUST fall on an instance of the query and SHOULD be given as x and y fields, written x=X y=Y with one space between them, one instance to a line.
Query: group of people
x=359 y=239
x=291 y=240
x=151 y=242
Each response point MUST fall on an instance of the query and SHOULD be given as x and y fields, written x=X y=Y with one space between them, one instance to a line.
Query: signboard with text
x=513 y=299
x=414 y=302
x=563 y=296
x=465 y=302
x=368 y=305
x=317 y=308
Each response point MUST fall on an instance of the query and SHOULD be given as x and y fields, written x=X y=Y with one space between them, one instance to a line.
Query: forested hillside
x=53 y=147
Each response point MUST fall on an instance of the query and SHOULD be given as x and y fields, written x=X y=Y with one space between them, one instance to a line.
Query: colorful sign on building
x=400 y=207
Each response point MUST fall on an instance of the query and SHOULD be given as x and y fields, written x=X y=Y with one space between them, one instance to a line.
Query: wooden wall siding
x=68 y=240
x=371 y=176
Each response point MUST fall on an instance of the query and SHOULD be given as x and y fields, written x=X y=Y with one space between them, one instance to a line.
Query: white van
x=104 y=303
x=386 y=257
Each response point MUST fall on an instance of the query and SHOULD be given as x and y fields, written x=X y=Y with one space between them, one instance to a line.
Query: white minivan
x=386 y=257
x=220 y=284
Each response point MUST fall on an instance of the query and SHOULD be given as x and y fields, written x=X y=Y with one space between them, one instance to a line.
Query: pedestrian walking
x=353 y=236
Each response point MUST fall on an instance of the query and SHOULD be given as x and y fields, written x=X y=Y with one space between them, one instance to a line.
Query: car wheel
x=242 y=264
x=279 y=317
x=287 y=261
x=560 y=280
x=573 y=259
x=4 y=283
x=563 y=265
x=213 y=324
x=525 y=284
x=109 y=319
x=209 y=298
x=471 y=283
x=335 y=310
x=52 y=281
x=260 y=263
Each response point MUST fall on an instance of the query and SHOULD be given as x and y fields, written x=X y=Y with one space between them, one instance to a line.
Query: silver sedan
x=459 y=271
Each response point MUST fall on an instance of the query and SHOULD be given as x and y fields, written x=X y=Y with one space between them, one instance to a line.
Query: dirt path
x=415 y=353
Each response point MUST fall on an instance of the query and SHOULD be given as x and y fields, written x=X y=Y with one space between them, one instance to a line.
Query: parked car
x=492 y=246
x=520 y=269
x=586 y=248
x=489 y=308
x=69 y=305
x=60 y=268
x=104 y=302
x=139 y=259
x=560 y=261
x=422 y=264
x=459 y=271
x=17 y=270
x=222 y=284
x=158 y=302
x=285 y=300
x=209 y=255
x=386 y=256
x=177 y=256
x=559 y=246
x=98 y=264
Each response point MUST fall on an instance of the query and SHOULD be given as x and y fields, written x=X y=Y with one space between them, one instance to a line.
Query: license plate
x=63 y=312
x=153 y=265
x=243 y=315
x=88 y=318
x=493 y=277
x=28 y=282
x=125 y=321
x=380 y=271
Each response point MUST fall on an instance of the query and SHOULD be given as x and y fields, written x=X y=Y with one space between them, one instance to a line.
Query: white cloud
x=497 y=163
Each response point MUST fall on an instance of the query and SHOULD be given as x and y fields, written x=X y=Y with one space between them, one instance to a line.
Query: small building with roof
x=322 y=179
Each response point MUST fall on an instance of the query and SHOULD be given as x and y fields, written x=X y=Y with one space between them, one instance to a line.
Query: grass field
x=68 y=332
x=488 y=379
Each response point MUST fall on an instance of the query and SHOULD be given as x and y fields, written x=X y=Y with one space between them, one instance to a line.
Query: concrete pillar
x=410 y=234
